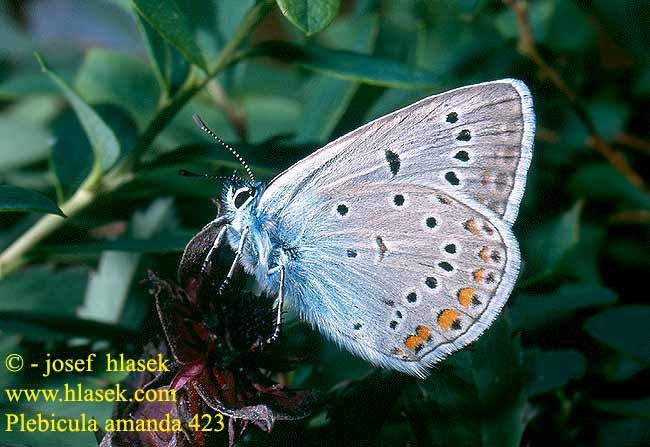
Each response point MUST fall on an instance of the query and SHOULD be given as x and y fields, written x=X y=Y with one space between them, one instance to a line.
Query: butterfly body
x=395 y=240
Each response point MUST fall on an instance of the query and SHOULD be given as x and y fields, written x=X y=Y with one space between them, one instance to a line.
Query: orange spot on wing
x=446 y=318
x=484 y=254
x=471 y=226
x=444 y=199
x=478 y=275
x=413 y=342
x=423 y=332
x=465 y=296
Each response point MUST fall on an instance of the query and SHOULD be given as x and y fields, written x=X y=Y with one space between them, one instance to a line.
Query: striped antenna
x=186 y=173
x=199 y=122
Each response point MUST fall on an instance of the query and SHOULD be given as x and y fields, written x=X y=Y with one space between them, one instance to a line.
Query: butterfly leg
x=226 y=280
x=215 y=245
x=278 y=318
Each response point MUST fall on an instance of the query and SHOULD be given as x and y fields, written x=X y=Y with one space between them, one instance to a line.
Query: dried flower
x=220 y=361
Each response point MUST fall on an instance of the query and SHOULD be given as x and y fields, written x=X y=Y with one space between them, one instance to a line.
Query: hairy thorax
x=259 y=254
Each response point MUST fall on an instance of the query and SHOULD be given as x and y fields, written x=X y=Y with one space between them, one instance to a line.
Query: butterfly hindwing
x=403 y=274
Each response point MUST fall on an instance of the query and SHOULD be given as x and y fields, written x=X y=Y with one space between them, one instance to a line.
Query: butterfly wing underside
x=403 y=226
x=475 y=140
x=407 y=274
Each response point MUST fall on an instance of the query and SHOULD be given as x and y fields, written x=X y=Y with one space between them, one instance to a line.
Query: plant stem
x=12 y=258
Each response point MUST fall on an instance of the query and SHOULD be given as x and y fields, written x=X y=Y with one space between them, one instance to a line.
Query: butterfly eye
x=241 y=196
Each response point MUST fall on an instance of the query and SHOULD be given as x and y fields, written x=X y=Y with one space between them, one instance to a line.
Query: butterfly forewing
x=475 y=140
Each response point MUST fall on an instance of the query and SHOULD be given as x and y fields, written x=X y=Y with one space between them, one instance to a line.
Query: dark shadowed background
x=100 y=126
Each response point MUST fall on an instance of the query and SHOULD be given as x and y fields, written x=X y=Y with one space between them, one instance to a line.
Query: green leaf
x=625 y=26
x=630 y=408
x=628 y=253
x=550 y=370
x=458 y=47
x=358 y=405
x=172 y=23
x=642 y=84
x=545 y=245
x=609 y=116
x=325 y=103
x=531 y=311
x=114 y=78
x=327 y=98
x=310 y=16
x=35 y=110
x=170 y=67
x=540 y=14
x=568 y=15
x=163 y=244
x=346 y=64
x=14 y=39
x=620 y=367
x=390 y=101
x=602 y=182
x=30 y=83
x=270 y=115
x=72 y=154
x=13 y=198
x=45 y=328
x=24 y=292
x=581 y=261
x=475 y=397
x=105 y=145
x=108 y=289
x=632 y=432
x=625 y=329
x=21 y=143
x=230 y=13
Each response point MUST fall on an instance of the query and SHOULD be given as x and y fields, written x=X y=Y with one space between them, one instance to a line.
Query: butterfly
x=395 y=240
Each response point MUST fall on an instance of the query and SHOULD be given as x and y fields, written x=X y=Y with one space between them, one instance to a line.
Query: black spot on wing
x=462 y=156
x=464 y=135
x=452 y=178
x=382 y=247
x=446 y=266
x=393 y=161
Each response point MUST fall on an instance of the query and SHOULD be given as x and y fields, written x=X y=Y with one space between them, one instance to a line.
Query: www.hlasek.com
x=77 y=392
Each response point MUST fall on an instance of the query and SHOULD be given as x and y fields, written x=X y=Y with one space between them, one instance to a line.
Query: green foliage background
x=97 y=126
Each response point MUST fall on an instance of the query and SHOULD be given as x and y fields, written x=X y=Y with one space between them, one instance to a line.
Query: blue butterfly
x=395 y=240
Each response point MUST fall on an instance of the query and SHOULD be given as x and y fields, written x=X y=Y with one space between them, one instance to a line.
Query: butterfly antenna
x=199 y=122
x=186 y=173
